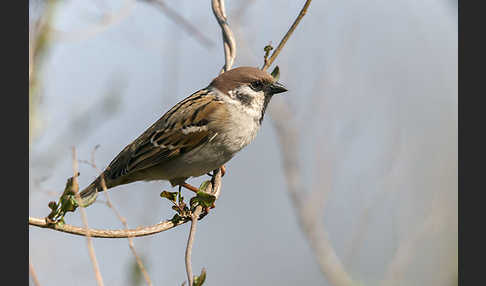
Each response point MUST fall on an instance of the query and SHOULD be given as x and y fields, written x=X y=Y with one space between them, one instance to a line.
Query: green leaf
x=268 y=48
x=204 y=185
x=199 y=280
x=171 y=196
x=204 y=199
x=276 y=73
x=68 y=203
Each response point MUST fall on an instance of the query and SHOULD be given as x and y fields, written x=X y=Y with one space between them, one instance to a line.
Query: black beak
x=277 y=87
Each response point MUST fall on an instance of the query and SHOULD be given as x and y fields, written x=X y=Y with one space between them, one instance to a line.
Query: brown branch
x=190 y=242
x=213 y=188
x=287 y=35
x=107 y=233
x=228 y=38
x=84 y=218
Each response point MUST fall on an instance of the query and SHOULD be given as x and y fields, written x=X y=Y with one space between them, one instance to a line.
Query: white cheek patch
x=257 y=100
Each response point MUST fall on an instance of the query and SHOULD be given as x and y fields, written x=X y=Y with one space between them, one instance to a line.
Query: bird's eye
x=257 y=85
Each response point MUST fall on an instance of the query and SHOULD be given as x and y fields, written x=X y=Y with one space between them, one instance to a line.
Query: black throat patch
x=265 y=103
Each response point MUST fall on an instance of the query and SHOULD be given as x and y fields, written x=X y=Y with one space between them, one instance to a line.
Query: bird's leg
x=180 y=205
x=223 y=171
x=189 y=187
x=180 y=188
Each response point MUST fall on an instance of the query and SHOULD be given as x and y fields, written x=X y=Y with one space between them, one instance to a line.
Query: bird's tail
x=89 y=194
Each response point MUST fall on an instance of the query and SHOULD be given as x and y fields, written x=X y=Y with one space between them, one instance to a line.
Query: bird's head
x=250 y=86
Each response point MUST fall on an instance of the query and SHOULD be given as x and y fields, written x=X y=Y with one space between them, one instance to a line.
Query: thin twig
x=84 y=218
x=214 y=188
x=190 y=242
x=228 y=38
x=32 y=274
x=287 y=35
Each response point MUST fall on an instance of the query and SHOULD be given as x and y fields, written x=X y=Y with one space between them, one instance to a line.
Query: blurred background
x=371 y=147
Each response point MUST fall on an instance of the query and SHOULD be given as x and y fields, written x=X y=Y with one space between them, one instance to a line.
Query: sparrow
x=197 y=135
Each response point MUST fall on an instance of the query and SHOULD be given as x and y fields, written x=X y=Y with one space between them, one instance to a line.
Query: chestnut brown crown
x=247 y=75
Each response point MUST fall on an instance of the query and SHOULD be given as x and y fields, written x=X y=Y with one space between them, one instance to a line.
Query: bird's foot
x=223 y=172
x=184 y=211
x=207 y=209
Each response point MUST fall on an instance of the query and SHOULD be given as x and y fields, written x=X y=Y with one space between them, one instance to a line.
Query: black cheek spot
x=244 y=98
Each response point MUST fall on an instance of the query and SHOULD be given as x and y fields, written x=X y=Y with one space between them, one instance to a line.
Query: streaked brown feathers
x=169 y=137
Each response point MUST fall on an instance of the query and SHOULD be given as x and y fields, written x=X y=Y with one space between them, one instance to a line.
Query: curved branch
x=228 y=38
x=107 y=233
x=287 y=35
x=122 y=233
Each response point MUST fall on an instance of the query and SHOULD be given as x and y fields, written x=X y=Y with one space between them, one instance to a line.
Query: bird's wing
x=183 y=128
